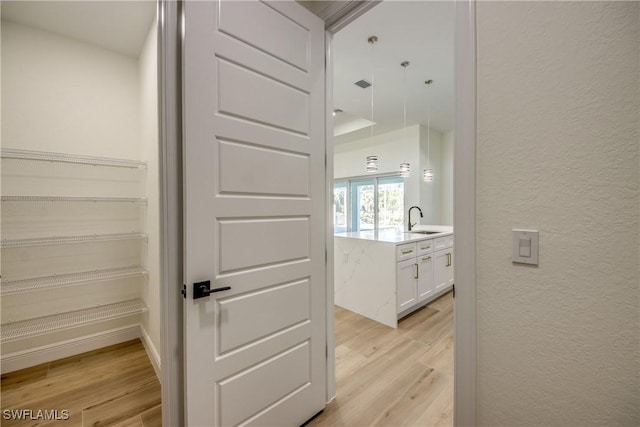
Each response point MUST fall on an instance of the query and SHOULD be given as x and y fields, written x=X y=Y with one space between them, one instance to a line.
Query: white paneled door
x=254 y=170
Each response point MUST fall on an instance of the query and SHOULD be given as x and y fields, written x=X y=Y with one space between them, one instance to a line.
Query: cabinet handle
x=426 y=258
x=448 y=260
x=425 y=247
x=407 y=252
x=417 y=272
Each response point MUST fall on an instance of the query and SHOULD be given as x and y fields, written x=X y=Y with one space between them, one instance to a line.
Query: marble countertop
x=394 y=236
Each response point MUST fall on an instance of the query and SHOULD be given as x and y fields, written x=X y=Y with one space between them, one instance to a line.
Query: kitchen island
x=385 y=275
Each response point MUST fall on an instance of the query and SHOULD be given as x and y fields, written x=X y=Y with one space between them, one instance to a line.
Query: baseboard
x=152 y=352
x=32 y=357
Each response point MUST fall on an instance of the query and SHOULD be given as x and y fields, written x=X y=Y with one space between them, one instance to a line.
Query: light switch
x=525 y=246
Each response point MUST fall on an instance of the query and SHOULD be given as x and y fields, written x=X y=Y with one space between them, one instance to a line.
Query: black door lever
x=203 y=289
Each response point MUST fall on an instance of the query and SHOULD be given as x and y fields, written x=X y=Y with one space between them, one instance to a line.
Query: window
x=339 y=207
x=368 y=204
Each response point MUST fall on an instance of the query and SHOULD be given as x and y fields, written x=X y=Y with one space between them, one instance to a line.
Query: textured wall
x=558 y=144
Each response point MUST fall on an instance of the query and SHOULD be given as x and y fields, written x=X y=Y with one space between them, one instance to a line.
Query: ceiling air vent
x=363 y=84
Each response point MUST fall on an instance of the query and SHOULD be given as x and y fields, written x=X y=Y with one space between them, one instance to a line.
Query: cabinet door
x=449 y=269
x=441 y=269
x=406 y=276
x=425 y=277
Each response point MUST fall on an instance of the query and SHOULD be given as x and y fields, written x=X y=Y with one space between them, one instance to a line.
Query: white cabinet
x=425 y=277
x=414 y=274
x=385 y=279
x=406 y=281
x=424 y=270
x=443 y=263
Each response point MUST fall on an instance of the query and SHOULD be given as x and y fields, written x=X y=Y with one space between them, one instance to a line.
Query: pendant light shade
x=372 y=160
x=372 y=163
x=427 y=175
x=405 y=168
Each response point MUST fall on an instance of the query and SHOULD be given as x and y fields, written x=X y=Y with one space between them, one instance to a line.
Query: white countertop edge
x=396 y=237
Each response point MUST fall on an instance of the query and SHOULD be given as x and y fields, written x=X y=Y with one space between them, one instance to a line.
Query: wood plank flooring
x=393 y=377
x=385 y=377
x=112 y=386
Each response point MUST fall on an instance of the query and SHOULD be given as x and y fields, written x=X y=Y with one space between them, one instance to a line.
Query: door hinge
x=454 y=289
x=183 y=291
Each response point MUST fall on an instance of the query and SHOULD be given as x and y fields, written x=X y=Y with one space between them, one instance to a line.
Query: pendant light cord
x=428 y=130
x=404 y=102
x=372 y=40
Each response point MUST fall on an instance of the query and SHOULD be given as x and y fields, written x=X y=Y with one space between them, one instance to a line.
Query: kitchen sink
x=424 y=232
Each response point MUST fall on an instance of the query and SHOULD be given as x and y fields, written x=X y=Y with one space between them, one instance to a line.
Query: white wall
x=395 y=147
x=431 y=192
x=148 y=83
x=57 y=92
x=557 y=151
x=392 y=148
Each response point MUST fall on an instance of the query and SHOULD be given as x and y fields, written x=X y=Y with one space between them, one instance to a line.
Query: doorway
x=424 y=139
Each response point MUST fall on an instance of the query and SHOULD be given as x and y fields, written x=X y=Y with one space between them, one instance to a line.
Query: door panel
x=254 y=213
x=290 y=301
x=240 y=395
x=248 y=243
x=242 y=165
x=290 y=112
x=265 y=28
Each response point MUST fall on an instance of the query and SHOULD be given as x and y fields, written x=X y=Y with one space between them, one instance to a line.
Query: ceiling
x=121 y=26
x=421 y=32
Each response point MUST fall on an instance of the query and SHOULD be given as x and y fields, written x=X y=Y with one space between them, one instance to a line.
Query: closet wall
x=79 y=234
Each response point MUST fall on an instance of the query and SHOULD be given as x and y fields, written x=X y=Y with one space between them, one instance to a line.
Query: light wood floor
x=385 y=377
x=113 y=386
x=393 y=377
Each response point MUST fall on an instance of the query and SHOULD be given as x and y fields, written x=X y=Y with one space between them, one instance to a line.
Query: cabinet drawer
x=443 y=242
x=406 y=251
x=424 y=247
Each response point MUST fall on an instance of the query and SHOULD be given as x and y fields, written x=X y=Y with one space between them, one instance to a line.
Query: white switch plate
x=525 y=241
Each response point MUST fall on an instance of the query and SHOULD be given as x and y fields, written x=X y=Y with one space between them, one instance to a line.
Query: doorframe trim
x=464 y=216
x=170 y=171
x=328 y=173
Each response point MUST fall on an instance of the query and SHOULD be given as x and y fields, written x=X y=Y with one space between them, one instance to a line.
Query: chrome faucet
x=409 y=216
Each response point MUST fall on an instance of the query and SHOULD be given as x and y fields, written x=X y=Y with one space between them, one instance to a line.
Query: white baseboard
x=32 y=357
x=152 y=352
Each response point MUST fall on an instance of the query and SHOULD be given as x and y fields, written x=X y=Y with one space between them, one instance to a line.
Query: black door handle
x=203 y=289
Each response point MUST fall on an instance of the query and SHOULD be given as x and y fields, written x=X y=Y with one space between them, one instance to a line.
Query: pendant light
x=427 y=174
x=405 y=167
x=372 y=161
